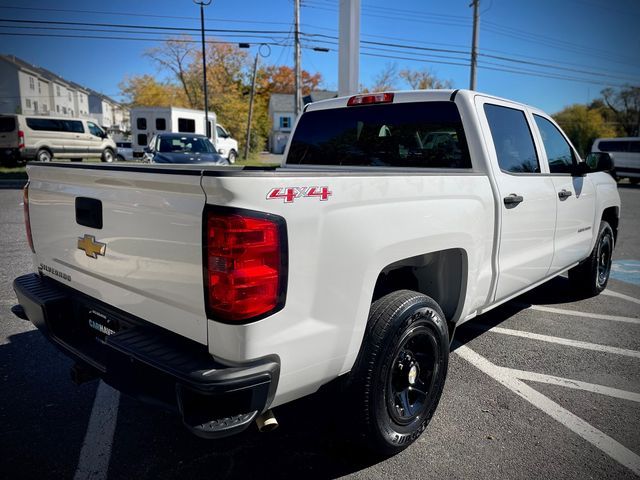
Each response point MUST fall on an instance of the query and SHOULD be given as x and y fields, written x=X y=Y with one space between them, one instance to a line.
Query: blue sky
x=571 y=48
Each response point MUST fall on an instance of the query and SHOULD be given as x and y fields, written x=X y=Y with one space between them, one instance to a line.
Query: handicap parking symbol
x=626 y=271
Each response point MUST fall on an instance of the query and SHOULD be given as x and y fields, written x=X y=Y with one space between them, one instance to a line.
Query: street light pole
x=202 y=4
x=253 y=90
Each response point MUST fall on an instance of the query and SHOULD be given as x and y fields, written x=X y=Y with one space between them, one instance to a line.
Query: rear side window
x=45 y=124
x=186 y=125
x=7 y=124
x=72 y=126
x=141 y=123
x=512 y=139
x=415 y=135
x=613 y=146
x=161 y=124
x=559 y=153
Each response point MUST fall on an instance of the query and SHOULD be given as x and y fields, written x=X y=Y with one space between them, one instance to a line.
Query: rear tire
x=232 y=156
x=591 y=276
x=108 y=156
x=43 y=155
x=398 y=377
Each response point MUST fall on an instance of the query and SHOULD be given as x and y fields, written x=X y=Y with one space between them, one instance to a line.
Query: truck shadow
x=45 y=419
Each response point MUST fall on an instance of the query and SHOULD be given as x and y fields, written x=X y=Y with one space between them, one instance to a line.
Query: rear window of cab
x=406 y=135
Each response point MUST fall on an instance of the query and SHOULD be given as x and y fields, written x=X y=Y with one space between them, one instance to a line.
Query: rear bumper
x=214 y=398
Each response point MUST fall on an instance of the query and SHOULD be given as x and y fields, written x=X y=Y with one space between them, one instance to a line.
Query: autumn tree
x=146 y=91
x=281 y=79
x=583 y=125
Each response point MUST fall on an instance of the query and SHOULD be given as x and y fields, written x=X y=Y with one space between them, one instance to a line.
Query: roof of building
x=285 y=102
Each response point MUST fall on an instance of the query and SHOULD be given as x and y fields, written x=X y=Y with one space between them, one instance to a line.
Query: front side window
x=95 y=130
x=559 y=153
x=512 y=139
x=407 y=135
x=186 y=125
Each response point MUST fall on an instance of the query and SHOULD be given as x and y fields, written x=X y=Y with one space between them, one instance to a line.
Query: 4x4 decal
x=289 y=194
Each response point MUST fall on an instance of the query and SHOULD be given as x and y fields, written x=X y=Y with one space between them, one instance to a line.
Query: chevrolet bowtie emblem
x=91 y=247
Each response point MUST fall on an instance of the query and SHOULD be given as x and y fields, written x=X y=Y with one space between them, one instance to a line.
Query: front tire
x=108 y=156
x=232 y=157
x=591 y=276
x=397 y=380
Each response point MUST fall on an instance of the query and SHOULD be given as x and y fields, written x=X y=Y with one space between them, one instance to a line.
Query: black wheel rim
x=605 y=249
x=412 y=376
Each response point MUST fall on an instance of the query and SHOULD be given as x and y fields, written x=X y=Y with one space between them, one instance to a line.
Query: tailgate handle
x=89 y=212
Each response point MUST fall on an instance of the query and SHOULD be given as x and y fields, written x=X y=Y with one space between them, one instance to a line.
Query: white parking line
x=574 y=423
x=96 y=448
x=560 y=341
x=573 y=313
x=575 y=384
x=611 y=293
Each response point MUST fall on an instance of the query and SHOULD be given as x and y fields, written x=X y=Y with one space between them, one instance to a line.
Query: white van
x=30 y=137
x=149 y=121
x=625 y=152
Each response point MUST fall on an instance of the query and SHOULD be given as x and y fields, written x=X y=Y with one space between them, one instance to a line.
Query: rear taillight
x=20 y=139
x=27 y=220
x=246 y=264
x=370 y=99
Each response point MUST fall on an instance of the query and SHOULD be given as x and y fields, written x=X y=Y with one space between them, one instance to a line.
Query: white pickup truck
x=222 y=293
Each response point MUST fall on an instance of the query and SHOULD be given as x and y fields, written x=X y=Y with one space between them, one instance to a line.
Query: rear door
x=151 y=264
x=575 y=196
x=8 y=132
x=527 y=196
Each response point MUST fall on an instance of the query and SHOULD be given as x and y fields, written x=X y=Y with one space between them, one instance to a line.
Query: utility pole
x=474 y=47
x=349 y=48
x=202 y=4
x=298 y=93
x=259 y=54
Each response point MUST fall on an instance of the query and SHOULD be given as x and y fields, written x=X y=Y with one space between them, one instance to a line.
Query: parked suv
x=625 y=152
x=27 y=137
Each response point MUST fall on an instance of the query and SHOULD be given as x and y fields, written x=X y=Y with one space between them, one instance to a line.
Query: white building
x=29 y=89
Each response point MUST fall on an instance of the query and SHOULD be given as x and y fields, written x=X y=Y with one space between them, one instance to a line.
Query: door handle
x=513 y=199
x=563 y=194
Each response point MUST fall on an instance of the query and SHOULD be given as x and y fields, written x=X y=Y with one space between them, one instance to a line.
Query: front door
x=96 y=138
x=527 y=197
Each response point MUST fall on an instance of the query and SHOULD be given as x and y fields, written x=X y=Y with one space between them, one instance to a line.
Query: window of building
x=64 y=110
x=141 y=123
x=39 y=87
x=512 y=139
x=142 y=140
x=161 y=124
x=32 y=83
x=186 y=125
x=27 y=102
x=58 y=90
x=35 y=106
x=559 y=153
x=285 y=122
x=69 y=95
x=45 y=107
x=58 y=108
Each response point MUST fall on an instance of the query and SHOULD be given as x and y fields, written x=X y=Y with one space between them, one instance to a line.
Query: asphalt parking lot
x=545 y=387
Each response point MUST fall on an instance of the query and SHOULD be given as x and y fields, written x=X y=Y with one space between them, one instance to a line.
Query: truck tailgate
x=151 y=264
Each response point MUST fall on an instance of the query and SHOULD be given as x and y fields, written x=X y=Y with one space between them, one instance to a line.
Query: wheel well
x=612 y=217
x=45 y=148
x=440 y=275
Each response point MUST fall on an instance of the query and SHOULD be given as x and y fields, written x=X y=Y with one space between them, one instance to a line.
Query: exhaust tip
x=267 y=422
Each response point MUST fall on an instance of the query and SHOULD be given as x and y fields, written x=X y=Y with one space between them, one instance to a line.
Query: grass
x=13 y=173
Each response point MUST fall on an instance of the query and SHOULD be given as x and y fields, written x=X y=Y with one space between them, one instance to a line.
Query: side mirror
x=580 y=169
x=146 y=150
x=599 y=162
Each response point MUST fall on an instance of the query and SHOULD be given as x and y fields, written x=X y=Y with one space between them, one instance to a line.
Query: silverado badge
x=91 y=247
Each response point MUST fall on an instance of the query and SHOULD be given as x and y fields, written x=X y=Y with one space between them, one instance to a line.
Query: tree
x=423 y=79
x=625 y=104
x=145 y=91
x=583 y=125
x=385 y=80
x=281 y=79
